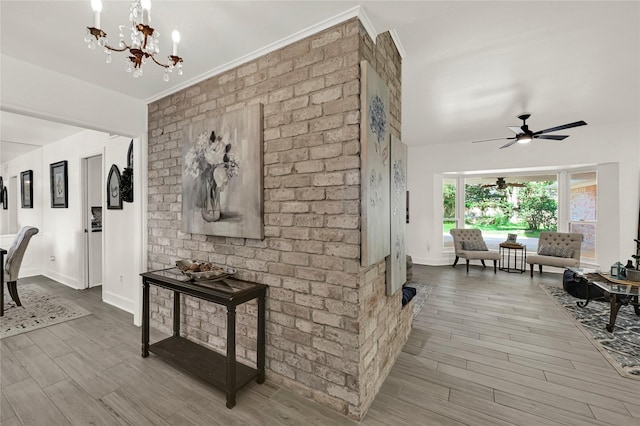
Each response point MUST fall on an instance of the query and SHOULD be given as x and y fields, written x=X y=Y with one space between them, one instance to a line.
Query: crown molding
x=396 y=40
x=367 y=24
x=354 y=12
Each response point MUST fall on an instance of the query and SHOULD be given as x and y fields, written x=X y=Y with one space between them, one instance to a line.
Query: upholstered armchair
x=470 y=245
x=559 y=249
x=13 y=262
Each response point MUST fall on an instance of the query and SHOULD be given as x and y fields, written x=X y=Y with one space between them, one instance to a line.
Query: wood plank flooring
x=486 y=349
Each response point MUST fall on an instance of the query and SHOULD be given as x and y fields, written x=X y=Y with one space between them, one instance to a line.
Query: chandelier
x=143 y=42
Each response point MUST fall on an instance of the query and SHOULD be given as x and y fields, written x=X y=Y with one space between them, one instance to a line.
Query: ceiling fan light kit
x=524 y=135
x=144 y=39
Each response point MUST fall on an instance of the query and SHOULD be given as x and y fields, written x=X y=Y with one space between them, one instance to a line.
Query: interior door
x=92 y=220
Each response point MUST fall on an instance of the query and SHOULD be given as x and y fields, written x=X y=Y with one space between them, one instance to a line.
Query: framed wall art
x=397 y=261
x=222 y=182
x=126 y=184
x=374 y=178
x=5 y=198
x=59 y=185
x=114 y=196
x=26 y=189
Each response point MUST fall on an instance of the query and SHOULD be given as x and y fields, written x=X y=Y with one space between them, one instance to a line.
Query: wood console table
x=214 y=368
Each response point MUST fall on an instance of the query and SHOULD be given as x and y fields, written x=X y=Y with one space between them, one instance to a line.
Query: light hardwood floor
x=487 y=349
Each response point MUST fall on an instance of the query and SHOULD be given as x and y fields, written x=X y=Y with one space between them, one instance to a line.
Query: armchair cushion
x=474 y=246
x=556 y=251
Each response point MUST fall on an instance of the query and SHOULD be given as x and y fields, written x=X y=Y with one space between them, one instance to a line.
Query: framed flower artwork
x=26 y=186
x=222 y=192
x=59 y=185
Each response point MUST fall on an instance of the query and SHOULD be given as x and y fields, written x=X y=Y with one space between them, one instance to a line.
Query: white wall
x=32 y=261
x=61 y=229
x=42 y=93
x=615 y=149
x=121 y=231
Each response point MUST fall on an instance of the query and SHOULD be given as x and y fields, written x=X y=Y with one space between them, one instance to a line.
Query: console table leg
x=261 y=338
x=231 y=357
x=176 y=313
x=145 y=319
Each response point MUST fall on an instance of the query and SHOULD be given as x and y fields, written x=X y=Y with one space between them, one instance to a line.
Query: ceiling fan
x=524 y=135
x=502 y=184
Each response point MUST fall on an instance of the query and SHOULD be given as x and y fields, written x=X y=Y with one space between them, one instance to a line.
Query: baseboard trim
x=117 y=301
x=63 y=279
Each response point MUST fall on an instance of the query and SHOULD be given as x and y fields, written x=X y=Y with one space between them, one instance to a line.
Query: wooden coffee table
x=618 y=292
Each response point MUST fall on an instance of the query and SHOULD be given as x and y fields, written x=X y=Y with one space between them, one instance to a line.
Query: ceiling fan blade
x=488 y=140
x=517 y=184
x=516 y=130
x=510 y=143
x=552 y=137
x=564 y=126
x=488 y=186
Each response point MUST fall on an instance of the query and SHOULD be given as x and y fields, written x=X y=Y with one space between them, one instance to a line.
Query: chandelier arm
x=113 y=49
x=158 y=63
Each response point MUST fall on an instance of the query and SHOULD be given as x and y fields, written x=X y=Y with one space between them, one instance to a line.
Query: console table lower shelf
x=201 y=362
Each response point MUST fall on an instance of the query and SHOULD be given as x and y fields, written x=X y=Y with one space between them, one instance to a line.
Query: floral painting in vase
x=222 y=175
x=375 y=167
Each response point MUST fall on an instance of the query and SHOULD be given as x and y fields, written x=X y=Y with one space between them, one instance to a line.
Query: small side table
x=519 y=258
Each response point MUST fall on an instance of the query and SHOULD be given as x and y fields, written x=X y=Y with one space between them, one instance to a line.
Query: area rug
x=38 y=310
x=422 y=294
x=622 y=347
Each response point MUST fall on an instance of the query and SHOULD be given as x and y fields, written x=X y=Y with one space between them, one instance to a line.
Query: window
x=583 y=201
x=522 y=205
x=449 y=211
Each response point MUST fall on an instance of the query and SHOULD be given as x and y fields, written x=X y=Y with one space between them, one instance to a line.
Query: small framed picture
x=511 y=238
x=59 y=185
x=114 y=196
x=5 y=198
x=26 y=186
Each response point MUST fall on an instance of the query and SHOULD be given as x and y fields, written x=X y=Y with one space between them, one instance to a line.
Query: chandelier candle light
x=144 y=39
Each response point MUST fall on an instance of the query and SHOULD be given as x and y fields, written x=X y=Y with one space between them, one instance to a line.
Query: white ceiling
x=470 y=68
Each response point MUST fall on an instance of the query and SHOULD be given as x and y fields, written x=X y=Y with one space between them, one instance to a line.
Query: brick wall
x=332 y=334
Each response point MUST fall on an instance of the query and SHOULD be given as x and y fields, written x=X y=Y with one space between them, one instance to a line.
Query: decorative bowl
x=203 y=270
x=633 y=275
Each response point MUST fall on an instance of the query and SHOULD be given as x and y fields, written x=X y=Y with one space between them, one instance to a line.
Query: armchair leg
x=483 y=265
x=13 y=291
x=495 y=266
x=540 y=267
x=455 y=262
x=467 y=266
x=531 y=264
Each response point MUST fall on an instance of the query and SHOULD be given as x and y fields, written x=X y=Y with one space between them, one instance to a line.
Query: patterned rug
x=422 y=294
x=622 y=346
x=38 y=310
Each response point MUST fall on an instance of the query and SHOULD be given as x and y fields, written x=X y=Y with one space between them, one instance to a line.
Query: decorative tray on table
x=204 y=270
